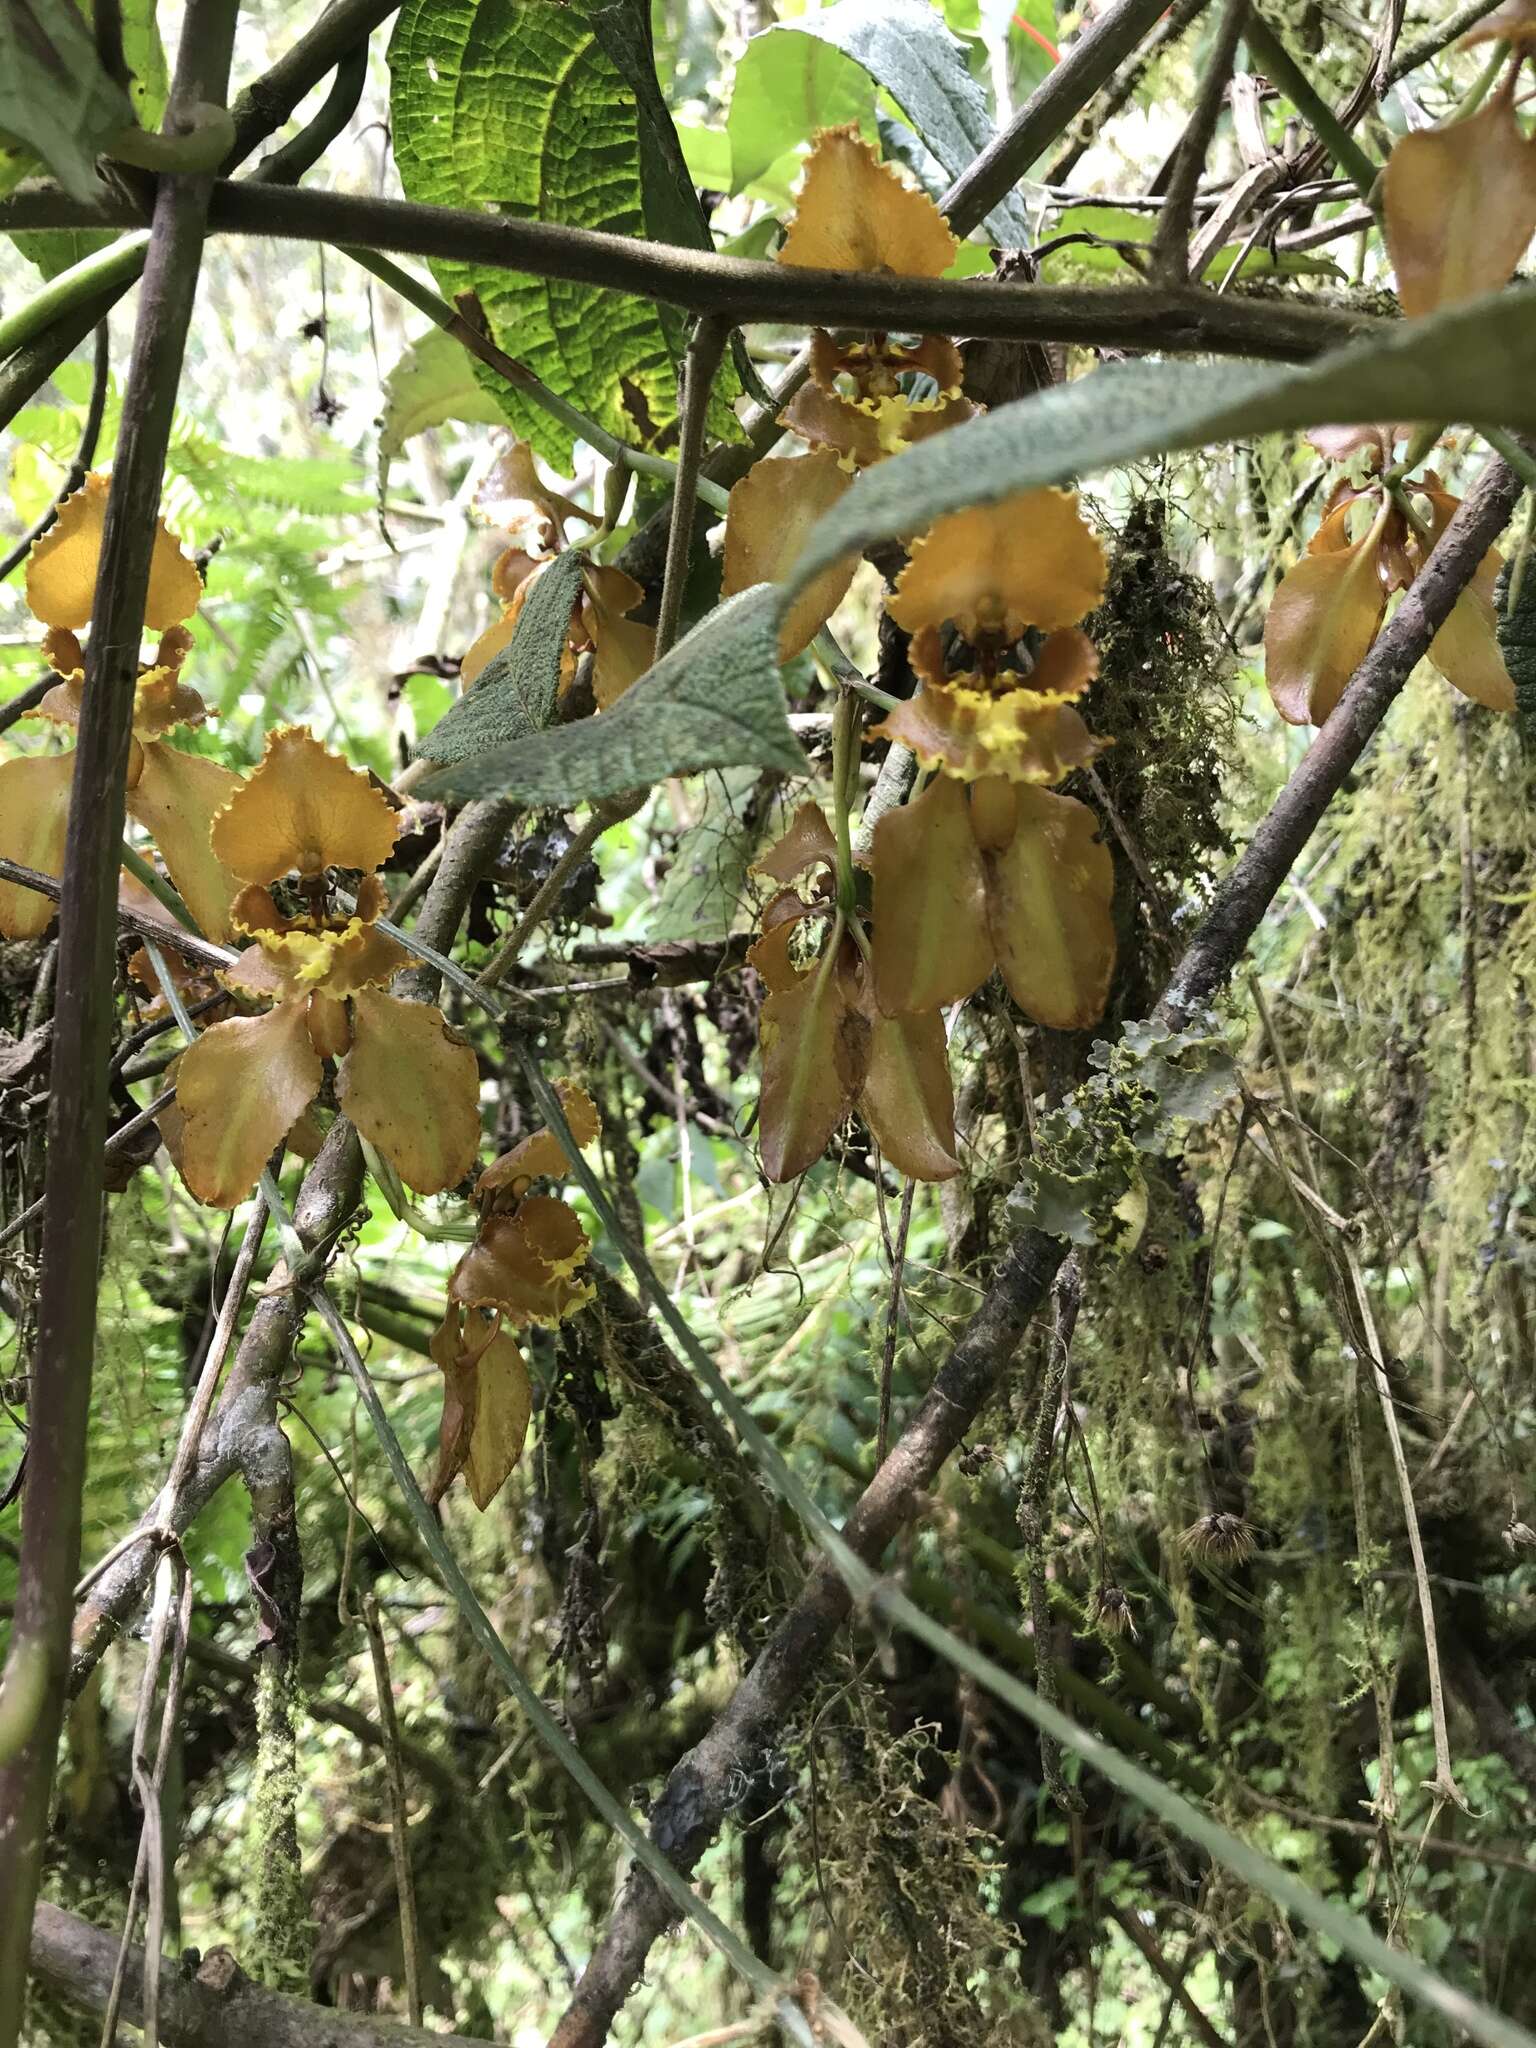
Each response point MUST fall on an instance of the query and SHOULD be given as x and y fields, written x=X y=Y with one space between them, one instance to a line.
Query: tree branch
x=1051 y=107
x=219 y=2007
x=77 y=1111
x=706 y=1783
x=1140 y=316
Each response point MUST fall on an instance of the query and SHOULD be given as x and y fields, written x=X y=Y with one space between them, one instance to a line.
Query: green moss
x=281 y=1934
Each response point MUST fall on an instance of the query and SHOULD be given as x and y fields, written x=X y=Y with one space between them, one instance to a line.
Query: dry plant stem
x=77 y=1113
x=1143 y=316
x=177 y=937
x=1130 y=1924
x=1444 y=1785
x=898 y=1252
x=246 y=1410
x=217 y=2008
x=399 y=1810
x=699 y=367
x=85 y=455
x=1170 y=245
x=173 y=1591
x=703 y=1786
x=1032 y=1514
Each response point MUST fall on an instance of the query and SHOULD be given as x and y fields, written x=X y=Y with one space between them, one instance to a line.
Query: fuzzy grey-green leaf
x=1471 y=363
x=54 y=94
x=715 y=701
x=515 y=696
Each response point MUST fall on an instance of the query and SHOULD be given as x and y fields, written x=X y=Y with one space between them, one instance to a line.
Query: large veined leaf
x=714 y=702
x=906 y=47
x=518 y=106
x=1471 y=363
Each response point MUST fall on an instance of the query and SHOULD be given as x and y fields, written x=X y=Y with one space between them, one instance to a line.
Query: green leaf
x=906 y=48
x=432 y=382
x=716 y=701
x=515 y=697
x=1470 y=363
x=707 y=881
x=707 y=153
x=517 y=106
x=787 y=87
x=54 y=95
x=1092 y=260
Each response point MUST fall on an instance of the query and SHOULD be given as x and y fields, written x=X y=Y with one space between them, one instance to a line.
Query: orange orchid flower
x=827 y=1047
x=868 y=397
x=171 y=794
x=1370 y=542
x=1005 y=873
x=408 y=1082
x=524 y=1267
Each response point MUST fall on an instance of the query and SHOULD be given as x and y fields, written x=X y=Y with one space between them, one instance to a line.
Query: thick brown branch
x=77 y=1111
x=1142 y=316
x=708 y=1781
x=216 y=2008
x=1059 y=98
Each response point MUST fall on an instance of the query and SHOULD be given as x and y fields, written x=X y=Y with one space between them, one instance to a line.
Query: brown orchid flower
x=407 y=1081
x=827 y=1047
x=988 y=866
x=867 y=398
x=171 y=794
x=524 y=1268
x=1372 y=540
x=1459 y=201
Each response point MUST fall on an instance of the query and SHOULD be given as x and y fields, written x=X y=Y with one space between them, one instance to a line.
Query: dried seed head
x=1226 y=1539
x=1112 y=1613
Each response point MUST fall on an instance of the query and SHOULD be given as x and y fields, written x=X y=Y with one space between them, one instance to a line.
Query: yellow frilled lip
x=303 y=956
x=1023 y=734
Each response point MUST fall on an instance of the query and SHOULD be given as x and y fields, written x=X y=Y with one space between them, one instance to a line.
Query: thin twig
x=1170 y=245
x=399 y=1811
x=142 y=926
x=898 y=1252
x=699 y=367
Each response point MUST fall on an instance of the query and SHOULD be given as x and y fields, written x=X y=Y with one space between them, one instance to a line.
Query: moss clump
x=1164 y=698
